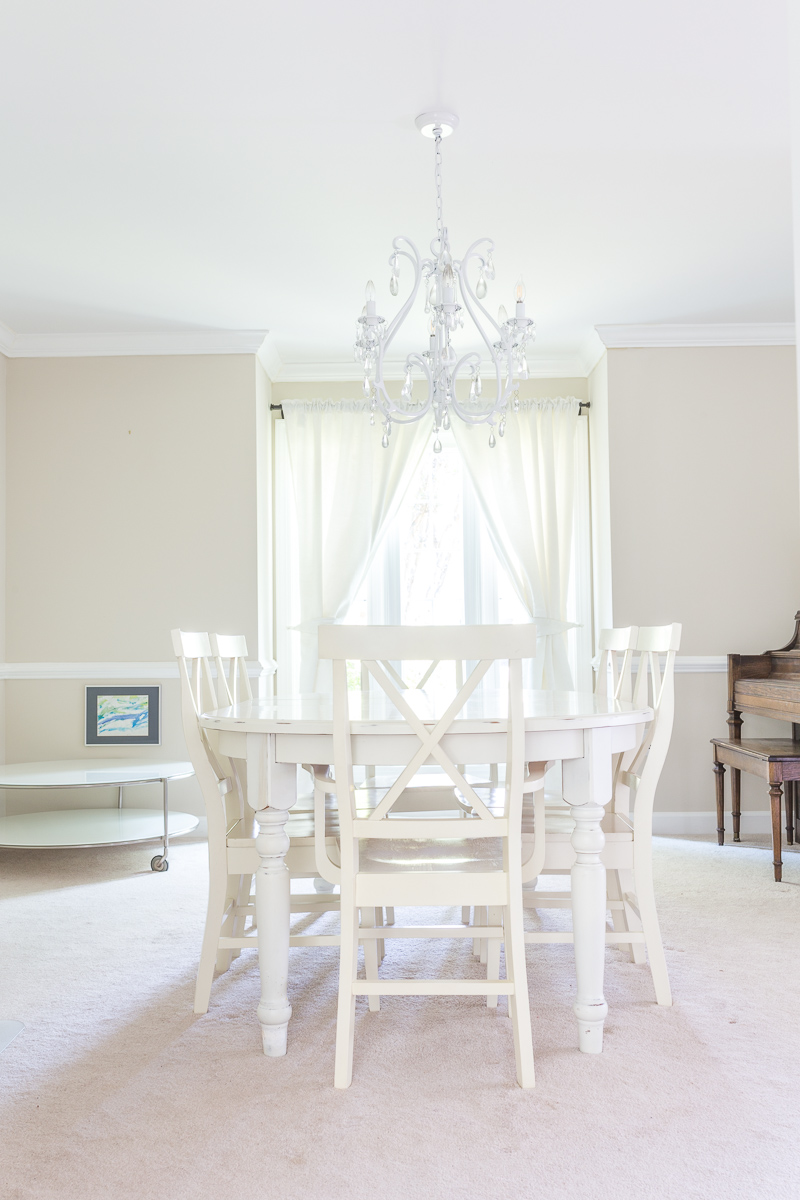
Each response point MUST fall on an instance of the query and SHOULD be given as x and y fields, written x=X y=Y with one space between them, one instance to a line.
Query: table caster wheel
x=159 y=863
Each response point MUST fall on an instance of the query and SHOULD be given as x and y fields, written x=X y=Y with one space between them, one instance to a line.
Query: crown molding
x=628 y=337
x=7 y=340
x=112 y=345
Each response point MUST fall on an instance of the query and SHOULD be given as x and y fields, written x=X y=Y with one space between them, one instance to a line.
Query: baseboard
x=673 y=824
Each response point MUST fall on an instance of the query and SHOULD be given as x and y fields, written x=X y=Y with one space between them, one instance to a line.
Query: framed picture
x=123 y=716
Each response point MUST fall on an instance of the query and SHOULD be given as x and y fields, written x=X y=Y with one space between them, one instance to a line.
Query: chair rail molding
x=692 y=664
x=112 y=670
x=754 y=333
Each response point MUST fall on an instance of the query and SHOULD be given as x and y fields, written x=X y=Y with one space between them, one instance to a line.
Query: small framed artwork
x=123 y=716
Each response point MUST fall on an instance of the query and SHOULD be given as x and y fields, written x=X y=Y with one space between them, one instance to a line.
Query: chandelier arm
x=502 y=395
x=406 y=418
x=385 y=402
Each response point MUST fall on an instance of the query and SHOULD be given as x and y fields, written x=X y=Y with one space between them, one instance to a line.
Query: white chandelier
x=445 y=280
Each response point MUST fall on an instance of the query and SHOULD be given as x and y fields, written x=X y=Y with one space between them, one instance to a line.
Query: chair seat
x=769 y=749
x=462 y=855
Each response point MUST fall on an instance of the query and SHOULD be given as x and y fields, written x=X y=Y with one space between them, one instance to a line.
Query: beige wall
x=3 y=380
x=131 y=504
x=132 y=509
x=705 y=524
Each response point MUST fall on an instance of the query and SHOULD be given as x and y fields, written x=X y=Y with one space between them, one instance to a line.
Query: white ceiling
x=175 y=166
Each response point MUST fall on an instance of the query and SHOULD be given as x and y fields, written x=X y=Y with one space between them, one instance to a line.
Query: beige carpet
x=114 y=1089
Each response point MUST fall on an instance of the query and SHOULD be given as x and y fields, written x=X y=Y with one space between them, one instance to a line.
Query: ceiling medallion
x=437 y=371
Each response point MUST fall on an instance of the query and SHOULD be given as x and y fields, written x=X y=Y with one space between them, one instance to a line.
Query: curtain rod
x=582 y=404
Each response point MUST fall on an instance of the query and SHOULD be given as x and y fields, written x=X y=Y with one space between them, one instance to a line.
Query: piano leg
x=736 y=801
x=719 y=781
x=775 y=798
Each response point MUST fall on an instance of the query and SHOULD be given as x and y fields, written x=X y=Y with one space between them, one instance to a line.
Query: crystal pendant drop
x=393 y=285
x=502 y=427
x=437 y=447
x=446 y=420
x=367 y=386
x=489 y=268
x=372 y=418
x=480 y=287
x=492 y=441
x=478 y=385
x=385 y=441
x=472 y=392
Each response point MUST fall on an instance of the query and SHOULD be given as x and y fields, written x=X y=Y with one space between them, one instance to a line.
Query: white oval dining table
x=581 y=730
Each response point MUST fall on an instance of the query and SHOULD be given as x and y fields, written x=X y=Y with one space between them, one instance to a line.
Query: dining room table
x=581 y=730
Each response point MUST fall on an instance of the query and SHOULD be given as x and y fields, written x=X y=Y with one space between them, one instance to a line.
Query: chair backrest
x=372 y=645
x=614 y=662
x=214 y=772
x=640 y=768
x=234 y=683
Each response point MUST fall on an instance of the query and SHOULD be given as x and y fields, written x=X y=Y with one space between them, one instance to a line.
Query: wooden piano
x=767 y=684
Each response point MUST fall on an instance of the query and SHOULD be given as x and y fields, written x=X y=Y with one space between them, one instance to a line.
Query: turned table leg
x=719 y=782
x=775 y=803
x=272 y=790
x=587 y=787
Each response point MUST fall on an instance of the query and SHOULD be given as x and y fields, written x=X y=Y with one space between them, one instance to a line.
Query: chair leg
x=619 y=916
x=775 y=803
x=225 y=957
x=646 y=900
x=371 y=954
x=789 y=787
x=217 y=896
x=627 y=883
x=242 y=898
x=346 y=1010
x=381 y=942
x=518 y=1003
x=719 y=783
x=493 y=954
x=477 y=919
x=736 y=802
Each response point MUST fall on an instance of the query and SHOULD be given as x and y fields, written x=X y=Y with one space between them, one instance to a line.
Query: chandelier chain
x=437 y=174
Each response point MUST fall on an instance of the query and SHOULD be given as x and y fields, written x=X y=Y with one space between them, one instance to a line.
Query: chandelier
x=432 y=376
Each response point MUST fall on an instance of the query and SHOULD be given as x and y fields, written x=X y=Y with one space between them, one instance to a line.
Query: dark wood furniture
x=767 y=684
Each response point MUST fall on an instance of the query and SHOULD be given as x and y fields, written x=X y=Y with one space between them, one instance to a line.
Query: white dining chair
x=230 y=655
x=391 y=858
x=232 y=855
x=628 y=822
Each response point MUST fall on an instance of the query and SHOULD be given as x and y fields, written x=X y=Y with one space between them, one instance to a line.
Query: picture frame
x=123 y=716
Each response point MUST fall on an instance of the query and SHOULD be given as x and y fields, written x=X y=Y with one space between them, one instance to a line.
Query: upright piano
x=767 y=684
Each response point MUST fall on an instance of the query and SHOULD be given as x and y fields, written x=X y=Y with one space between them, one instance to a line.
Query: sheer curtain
x=525 y=487
x=347 y=488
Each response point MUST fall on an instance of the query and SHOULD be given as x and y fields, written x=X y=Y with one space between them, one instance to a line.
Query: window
x=436 y=564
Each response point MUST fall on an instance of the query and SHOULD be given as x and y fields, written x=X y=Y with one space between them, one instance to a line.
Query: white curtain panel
x=347 y=488
x=526 y=488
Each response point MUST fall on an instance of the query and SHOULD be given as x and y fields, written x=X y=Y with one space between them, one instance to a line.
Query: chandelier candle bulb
x=519 y=295
x=370 y=296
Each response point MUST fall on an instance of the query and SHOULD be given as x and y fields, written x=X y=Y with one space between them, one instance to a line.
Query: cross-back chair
x=628 y=822
x=232 y=855
x=390 y=857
